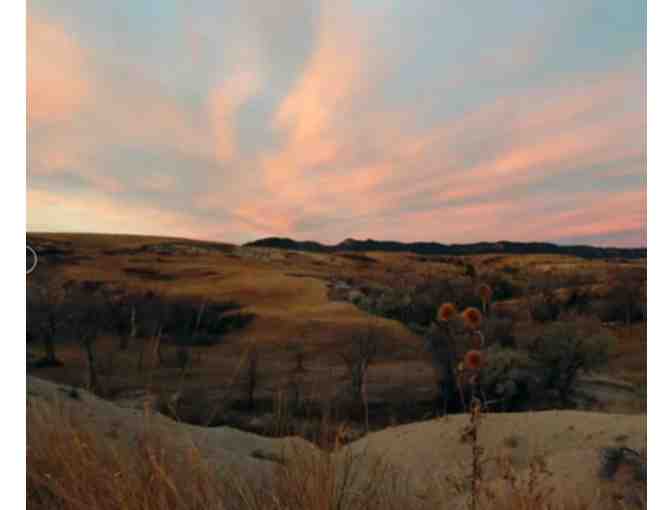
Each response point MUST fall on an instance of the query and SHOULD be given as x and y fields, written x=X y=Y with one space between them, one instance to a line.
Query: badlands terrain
x=273 y=387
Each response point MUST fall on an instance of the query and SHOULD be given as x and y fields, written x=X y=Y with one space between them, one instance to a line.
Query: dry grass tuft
x=340 y=480
x=73 y=466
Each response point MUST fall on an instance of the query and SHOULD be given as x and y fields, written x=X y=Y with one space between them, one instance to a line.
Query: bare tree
x=148 y=320
x=192 y=329
x=46 y=316
x=88 y=314
x=297 y=375
x=358 y=358
x=627 y=293
x=122 y=315
x=441 y=343
x=252 y=375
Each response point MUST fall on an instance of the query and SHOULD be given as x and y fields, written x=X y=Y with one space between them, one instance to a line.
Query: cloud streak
x=58 y=86
x=509 y=143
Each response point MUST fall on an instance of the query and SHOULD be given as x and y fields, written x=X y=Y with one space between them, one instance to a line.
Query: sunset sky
x=440 y=120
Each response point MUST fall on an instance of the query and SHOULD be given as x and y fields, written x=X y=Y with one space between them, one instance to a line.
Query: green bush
x=563 y=349
x=499 y=330
x=502 y=287
x=544 y=309
x=511 y=380
x=617 y=307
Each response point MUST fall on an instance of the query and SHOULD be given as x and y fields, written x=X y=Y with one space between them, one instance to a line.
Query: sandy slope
x=425 y=453
x=569 y=442
x=227 y=448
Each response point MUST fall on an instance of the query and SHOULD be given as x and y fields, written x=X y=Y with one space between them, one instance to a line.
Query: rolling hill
x=434 y=248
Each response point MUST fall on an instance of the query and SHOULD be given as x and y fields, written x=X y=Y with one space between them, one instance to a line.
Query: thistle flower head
x=446 y=312
x=485 y=292
x=472 y=318
x=473 y=360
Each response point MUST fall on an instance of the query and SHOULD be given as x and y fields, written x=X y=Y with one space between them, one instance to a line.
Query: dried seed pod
x=485 y=293
x=446 y=312
x=473 y=360
x=472 y=318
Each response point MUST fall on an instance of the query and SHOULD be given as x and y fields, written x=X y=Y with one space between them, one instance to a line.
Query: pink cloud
x=79 y=115
x=227 y=97
x=93 y=212
x=332 y=76
x=343 y=157
x=553 y=131
x=593 y=215
x=160 y=183
x=99 y=213
x=58 y=85
x=544 y=133
x=309 y=114
x=224 y=102
x=268 y=218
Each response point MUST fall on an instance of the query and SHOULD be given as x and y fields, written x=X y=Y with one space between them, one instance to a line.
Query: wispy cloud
x=58 y=87
x=332 y=120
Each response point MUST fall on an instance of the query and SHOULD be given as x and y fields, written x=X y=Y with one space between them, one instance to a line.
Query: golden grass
x=289 y=308
x=70 y=466
x=628 y=360
x=73 y=465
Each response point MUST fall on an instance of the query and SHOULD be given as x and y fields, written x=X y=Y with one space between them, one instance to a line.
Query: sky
x=440 y=120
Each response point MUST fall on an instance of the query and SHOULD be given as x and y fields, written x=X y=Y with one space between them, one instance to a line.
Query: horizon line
x=569 y=245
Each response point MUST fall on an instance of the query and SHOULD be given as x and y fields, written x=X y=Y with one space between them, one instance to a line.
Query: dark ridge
x=433 y=248
x=290 y=244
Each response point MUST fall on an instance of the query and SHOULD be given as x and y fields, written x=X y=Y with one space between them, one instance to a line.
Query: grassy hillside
x=301 y=302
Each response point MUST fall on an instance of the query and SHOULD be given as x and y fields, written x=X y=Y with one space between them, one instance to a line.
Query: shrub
x=416 y=306
x=544 y=309
x=580 y=277
x=447 y=343
x=621 y=304
x=499 y=330
x=186 y=322
x=511 y=379
x=579 y=301
x=193 y=323
x=196 y=406
x=628 y=292
x=502 y=286
x=563 y=349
